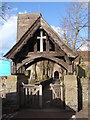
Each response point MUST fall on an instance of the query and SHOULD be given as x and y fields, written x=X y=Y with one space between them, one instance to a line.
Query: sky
x=52 y=12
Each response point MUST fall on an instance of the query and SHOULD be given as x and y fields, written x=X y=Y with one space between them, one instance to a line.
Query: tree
x=4 y=11
x=74 y=24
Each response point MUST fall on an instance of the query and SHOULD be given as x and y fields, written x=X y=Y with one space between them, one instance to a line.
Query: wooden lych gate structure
x=37 y=41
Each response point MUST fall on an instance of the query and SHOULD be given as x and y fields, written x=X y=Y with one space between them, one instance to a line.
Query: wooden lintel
x=44 y=53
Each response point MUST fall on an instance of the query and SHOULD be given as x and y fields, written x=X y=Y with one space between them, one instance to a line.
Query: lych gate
x=39 y=49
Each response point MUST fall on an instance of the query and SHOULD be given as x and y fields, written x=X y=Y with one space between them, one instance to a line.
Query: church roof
x=27 y=24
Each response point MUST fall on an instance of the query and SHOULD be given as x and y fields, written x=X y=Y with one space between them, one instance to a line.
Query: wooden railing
x=29 y=93
x=57 y=91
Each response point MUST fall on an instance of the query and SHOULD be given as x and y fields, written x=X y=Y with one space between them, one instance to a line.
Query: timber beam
x=54 y=59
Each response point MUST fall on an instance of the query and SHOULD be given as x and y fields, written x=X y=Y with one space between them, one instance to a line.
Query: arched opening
x=56 y=75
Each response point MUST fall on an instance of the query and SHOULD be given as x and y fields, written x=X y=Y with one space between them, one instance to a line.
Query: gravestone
x=71 y=92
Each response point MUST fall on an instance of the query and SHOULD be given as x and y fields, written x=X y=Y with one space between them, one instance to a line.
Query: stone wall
x=84 y=87
x=71 y=92
x=11 y=90
x=76 y=92
x=9 y=86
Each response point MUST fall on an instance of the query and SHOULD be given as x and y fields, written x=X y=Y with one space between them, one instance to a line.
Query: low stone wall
x=11 y=90
x=9 y=93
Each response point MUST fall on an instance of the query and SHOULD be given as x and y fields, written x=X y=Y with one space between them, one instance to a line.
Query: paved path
x=43 y=114
x=48 y=113
x=83 y=114
x=47 y=101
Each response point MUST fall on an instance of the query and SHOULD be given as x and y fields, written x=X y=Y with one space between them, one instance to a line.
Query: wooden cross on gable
x=41 y=39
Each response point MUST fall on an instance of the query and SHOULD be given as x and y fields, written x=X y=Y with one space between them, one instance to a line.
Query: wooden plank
x=40 y=95
x=51 y=53
x=62 y=91
x=34 y=92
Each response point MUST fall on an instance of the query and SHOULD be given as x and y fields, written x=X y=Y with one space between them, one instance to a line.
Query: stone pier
x=71 y=92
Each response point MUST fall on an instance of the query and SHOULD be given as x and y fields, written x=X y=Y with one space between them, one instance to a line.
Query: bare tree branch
x=4 y=11
x=74 y=22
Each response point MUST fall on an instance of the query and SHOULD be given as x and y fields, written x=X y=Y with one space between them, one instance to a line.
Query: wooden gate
x=57 y=91
x=31 y=95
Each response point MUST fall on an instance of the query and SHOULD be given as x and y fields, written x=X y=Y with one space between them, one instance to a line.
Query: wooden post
x=35 y=45
x=53 y=96
x=40 y=96
x=47 y=43
x=22 y=96
x=29 y=96
x=13 y=68
x=32 y=96
x=62 y=92
x=56 y=48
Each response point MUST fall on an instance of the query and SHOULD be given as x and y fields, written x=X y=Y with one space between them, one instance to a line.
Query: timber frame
x=61 y=54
